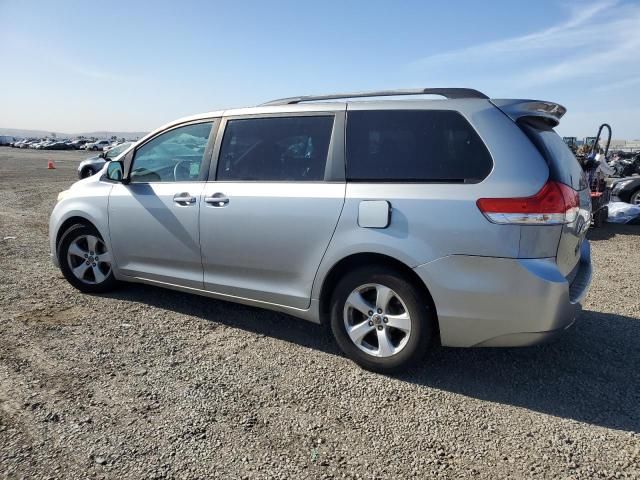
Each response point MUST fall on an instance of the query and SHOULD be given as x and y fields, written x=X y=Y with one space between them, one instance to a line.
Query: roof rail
x=450 y=93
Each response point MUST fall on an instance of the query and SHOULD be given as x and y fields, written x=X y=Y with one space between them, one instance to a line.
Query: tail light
x=555 y=204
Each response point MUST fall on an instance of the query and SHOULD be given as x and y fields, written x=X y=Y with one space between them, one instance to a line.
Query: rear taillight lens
x=555 y=204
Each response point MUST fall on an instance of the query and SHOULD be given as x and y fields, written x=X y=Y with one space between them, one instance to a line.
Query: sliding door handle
x=217 y=200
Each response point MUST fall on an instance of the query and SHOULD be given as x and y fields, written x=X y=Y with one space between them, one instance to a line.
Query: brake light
x=555 y=204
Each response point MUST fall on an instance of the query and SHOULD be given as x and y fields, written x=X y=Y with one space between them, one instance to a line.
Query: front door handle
x=217 y=200
x=184 y=198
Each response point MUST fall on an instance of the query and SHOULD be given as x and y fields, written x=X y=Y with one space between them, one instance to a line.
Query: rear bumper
x=504 y=302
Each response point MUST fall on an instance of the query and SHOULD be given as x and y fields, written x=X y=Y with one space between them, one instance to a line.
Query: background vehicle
x=97 y=146
x=572 y=143
x=28 y=143
x=59 y=145
x=77 y=144
x=627 y=190
x=399 y=223
x=6 y=140
x=43 y=144
x=625 y=164
x=92 y=165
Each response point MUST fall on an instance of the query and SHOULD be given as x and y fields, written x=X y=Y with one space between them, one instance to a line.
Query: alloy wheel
x=89 y=259
x=377 y=320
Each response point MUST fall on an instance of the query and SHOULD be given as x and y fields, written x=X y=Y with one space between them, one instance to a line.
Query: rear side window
x=275 y=149
x=414 y=146
x=563 y=165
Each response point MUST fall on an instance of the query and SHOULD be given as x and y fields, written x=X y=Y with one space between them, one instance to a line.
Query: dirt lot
x=148 y=383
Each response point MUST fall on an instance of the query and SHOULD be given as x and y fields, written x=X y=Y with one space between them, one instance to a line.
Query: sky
x=78 y=66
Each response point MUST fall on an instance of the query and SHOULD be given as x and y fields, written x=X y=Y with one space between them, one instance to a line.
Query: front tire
x=380 y=320
x=87 y=172
x=85 y=260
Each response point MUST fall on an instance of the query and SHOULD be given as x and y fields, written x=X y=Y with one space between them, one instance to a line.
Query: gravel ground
x=149 y=383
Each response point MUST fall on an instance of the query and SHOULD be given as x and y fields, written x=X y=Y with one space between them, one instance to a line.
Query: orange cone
x=51 y=165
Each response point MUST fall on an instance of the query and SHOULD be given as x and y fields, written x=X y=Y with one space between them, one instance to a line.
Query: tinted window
x=563 y=165
x=414 y=145
x=173 y=156
x=275 y=149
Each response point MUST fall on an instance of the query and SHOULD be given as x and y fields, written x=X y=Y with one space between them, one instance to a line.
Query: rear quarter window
x=414 y=146
x=563 y=165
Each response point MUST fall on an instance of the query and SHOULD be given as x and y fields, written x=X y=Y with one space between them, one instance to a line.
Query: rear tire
x=380 y=320
x=85 y=260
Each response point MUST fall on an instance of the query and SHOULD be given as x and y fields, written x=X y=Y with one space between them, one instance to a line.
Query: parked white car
x=98 y=146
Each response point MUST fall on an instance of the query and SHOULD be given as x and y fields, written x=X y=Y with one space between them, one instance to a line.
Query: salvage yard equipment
x=572 y=143
x=597 y=170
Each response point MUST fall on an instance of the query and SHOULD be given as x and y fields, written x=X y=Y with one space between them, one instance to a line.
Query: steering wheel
x=182 y=171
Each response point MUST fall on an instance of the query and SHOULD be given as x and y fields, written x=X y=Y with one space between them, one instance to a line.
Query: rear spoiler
x=516 y=109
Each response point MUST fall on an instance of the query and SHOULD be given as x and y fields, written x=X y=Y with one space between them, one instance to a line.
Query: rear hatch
x=537 y=119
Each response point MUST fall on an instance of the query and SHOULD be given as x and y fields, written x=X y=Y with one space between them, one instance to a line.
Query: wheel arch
x=69 y=222
x=368 y=258
x=633 y=191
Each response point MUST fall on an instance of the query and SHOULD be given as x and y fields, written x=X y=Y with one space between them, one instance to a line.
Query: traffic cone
x=51 y=165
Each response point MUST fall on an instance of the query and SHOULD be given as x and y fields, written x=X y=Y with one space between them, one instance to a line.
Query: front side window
x=115 y=151
x=275 y=149
x=414 y=146
x=174 y=156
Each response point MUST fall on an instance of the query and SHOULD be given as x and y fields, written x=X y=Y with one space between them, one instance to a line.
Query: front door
x=153 y=220
x=268 y=218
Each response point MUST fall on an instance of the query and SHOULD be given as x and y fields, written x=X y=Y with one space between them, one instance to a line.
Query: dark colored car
x=61 y=145
x=77 y=144
x=627 y=190
x=93 y=165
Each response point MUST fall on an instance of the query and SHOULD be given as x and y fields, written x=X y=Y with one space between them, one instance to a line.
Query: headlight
x=62 y=194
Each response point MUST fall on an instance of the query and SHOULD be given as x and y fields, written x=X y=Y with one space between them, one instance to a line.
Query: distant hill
x=17 y=132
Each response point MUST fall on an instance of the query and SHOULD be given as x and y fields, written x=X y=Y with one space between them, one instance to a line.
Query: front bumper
x=504 y=302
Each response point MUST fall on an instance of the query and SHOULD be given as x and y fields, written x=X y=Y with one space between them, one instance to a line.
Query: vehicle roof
x=331 y=106
x=512 y=107
x=358 y=104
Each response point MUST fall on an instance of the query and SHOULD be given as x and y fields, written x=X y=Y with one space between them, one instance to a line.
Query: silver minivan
x=400 y=223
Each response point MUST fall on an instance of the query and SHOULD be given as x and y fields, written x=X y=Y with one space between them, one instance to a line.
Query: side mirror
x=114 y=171
x=103 y=155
